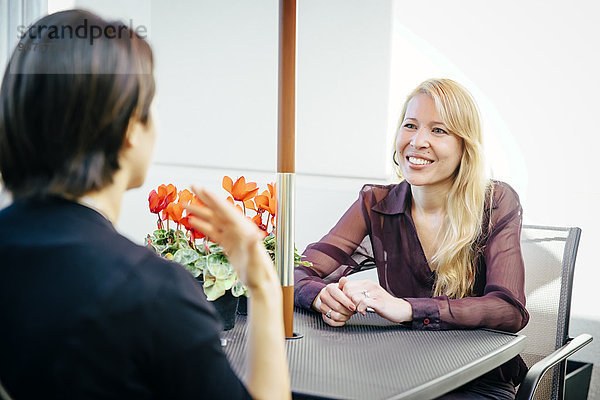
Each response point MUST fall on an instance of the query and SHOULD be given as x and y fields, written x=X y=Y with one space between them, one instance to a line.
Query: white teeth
x=419 y=161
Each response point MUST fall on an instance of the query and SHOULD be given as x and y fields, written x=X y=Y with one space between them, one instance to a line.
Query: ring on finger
x=328 y=315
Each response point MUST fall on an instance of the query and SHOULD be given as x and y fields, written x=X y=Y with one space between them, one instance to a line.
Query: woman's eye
x=440 y=130
x=409 y=125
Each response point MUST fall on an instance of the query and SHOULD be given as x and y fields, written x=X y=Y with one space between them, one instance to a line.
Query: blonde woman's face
x=427 y=152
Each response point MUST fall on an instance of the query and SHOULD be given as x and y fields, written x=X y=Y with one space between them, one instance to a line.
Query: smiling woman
x=441 y=153
x=445 y=240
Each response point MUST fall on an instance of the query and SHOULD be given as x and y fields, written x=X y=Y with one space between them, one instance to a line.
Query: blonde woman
x=445 y=240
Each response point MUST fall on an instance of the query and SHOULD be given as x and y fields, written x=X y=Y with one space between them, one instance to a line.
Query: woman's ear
x=134 y=133
x=136 y=153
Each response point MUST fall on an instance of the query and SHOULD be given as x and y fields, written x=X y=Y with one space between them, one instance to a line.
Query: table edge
x=459 y=377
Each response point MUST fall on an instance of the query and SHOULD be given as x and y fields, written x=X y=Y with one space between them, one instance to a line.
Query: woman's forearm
x=267 y=362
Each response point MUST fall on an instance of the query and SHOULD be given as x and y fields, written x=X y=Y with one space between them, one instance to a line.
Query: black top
x=87 y=314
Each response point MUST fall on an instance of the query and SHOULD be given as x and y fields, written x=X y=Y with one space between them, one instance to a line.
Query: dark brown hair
x=66 y=103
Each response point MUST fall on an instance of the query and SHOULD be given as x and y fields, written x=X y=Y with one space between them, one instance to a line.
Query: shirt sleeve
x=332 y=251
x=502 y=305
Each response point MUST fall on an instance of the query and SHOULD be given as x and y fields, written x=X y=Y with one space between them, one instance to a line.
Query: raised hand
x=268 y=376
x=239 y=237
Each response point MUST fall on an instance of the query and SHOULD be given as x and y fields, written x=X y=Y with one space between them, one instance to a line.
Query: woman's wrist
x=406 y=314
x=261 y=276
x=316 y=305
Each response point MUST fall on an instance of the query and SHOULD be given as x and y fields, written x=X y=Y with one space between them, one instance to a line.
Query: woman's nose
x=419 y=139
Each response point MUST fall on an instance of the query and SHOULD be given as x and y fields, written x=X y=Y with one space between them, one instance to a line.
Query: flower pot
x=242 y=307
x=226 y=306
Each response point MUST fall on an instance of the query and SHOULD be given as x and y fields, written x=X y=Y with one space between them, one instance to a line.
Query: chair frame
x=565 y=346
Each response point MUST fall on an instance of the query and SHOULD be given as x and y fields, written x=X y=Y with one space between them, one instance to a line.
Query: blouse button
x=426 y=321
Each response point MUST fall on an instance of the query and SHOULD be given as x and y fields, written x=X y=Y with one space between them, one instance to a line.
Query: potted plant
x=206 y=260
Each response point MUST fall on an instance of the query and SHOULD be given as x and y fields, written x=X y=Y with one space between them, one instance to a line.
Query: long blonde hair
x=456 y=256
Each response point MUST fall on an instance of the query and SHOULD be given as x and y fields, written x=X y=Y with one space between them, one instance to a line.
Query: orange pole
x=286 y=139
x=286 y=149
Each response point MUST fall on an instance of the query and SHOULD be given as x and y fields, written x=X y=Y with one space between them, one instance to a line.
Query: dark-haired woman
x=84 y=312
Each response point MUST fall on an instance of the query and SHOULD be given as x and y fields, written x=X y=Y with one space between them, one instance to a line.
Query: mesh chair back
x=549 y=254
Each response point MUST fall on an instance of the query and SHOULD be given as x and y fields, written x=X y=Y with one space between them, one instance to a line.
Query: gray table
x=371 y=358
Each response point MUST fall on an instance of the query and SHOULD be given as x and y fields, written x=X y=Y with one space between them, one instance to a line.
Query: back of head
x=71 y=88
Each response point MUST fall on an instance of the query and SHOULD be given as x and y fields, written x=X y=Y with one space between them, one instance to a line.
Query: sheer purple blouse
x=382 y=217
x=382 y=213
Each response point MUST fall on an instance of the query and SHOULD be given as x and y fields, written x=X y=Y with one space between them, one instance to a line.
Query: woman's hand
x=368 y=294
x=239 y=237
x=335 y=307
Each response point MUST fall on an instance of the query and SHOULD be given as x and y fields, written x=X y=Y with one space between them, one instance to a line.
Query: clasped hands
x=337 y=302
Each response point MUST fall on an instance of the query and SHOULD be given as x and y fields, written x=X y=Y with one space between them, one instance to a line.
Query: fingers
x=356 y=290
x=208 y=198
x=365 y=303
x=218 y=218
x=200 y=211
x=204 y=227
x=342 y=282
x=332 y=317
x=333 y=322
x=333 y=298
x=214 y=206
x=334 y=312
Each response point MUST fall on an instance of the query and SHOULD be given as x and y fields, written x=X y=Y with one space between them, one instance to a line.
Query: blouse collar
x=397 y=201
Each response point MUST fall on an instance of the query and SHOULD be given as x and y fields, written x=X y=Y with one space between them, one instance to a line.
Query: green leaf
x=215 y=248
x=159 y=234
x=185 y=256
x=216 y=288
x=159 y=248
x=193 y=270
x=303 y=263
x=201 y=263
x=213 y=292
x=219 y=266
x=238 y=289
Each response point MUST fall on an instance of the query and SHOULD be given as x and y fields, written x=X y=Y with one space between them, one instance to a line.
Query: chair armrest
x=537 y=370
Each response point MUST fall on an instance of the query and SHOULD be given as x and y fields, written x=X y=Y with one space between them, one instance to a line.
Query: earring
x=394 y=158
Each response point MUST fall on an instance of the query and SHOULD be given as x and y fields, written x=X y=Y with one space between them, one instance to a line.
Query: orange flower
x=185 y=221
x=158 y=201
x=185 y=197
x=174 y=212
x=240 y=190
x=267 y=200
x=169 y=191
x=249 y=204
x=257 y=219
x=230 y=200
